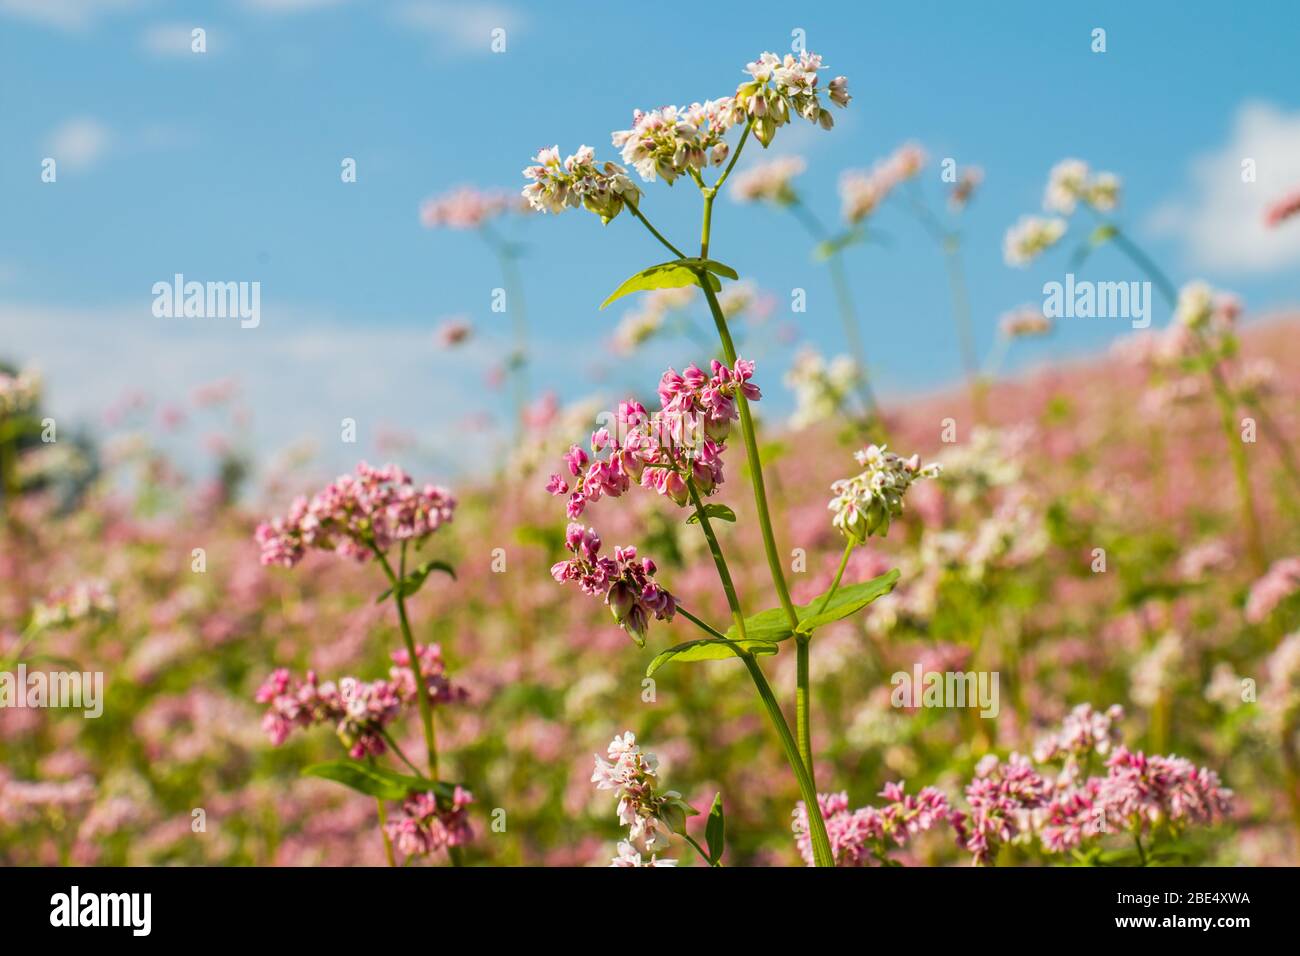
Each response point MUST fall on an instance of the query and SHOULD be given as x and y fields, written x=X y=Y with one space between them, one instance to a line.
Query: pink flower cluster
x=683 y=442
x=358 y=710
x=426 y=825
x=432 y=669
x=463 y=208
x=626 y=583
x=861 y=191
x=1279 y=583
x=355 y=515
x=1000 y=797
x=861 y=836
x=1084 y=731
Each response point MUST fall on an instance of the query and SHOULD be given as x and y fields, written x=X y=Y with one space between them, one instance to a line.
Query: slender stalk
x=822 y=854
x=839 y=576
x=421 y=689
x=755 y=464
x=803 y=680
x=698 y=849
x=655 y=232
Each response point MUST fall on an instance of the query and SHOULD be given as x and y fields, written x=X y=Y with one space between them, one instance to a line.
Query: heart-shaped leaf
x=720 y=512
x=673 y=275
x=707 y=649
x=845 y=601
x=774 y=624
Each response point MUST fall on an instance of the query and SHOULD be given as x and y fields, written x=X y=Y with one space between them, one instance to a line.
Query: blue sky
x=225 y=166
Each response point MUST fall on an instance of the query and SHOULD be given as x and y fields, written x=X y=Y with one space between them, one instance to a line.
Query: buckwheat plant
x=679 y=451
x=375 y=515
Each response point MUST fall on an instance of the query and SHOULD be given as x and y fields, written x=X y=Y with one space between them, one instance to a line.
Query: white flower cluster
x=866 y=503
x=651 y=818
x=781 y=86
x=672 y=140
x=578 y=181
x=1071 y=182
x=820 y=387
x=19 y=392
x=1030 y=237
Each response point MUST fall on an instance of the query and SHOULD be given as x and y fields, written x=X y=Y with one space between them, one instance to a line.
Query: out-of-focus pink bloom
x=769 y=181
x=1280 y=581
x=965 y=187
x=1282 y=210
x=453 y=332
x=356 y=515
x=464 y=207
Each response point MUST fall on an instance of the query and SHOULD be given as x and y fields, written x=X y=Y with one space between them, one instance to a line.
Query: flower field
x=1042 y=619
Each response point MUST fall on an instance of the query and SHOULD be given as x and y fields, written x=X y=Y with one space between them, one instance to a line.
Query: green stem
x=755 y=463
x=839 y=575
x=698 y=849
x=421 y=688
x=1137 y=841
x=1147 y=265
x=654 y=232
x=822 y=854
x=803 y=680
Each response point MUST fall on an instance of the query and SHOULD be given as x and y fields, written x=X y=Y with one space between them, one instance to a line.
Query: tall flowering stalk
x=668 y=144
x=367 y=516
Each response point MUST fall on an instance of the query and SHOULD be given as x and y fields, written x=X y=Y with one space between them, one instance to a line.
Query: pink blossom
x=355 y=515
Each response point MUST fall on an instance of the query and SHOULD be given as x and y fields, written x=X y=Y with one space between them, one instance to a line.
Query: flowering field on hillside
x=1050 y=620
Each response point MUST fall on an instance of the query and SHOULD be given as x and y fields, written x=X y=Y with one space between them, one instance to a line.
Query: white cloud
x=64 y=14
x=1222 y=221
x=288 y=6
x=298 y=373
x=459 y=27
x=80 y=143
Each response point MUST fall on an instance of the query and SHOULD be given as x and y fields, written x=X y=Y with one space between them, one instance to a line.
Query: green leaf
x=673 y=275
x=846 y=601
x=774 y=624
x=415 y=579
x=769 y=625
x=707 y=649
x=376 y=781
x=721 y=512
x=715 y=831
